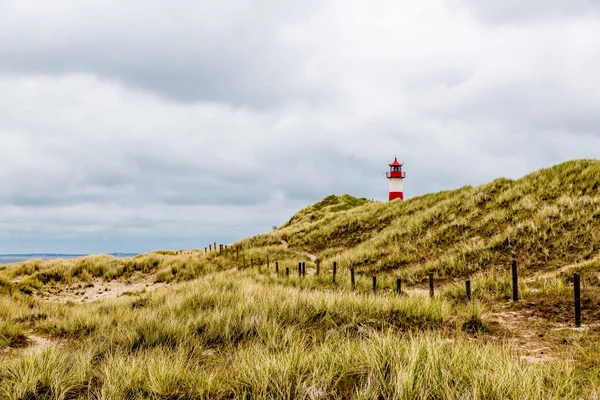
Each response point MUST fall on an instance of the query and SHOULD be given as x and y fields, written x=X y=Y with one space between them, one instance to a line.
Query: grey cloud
x=45 y=200
x=516 y=11
x=203 y=121
x=239 y=60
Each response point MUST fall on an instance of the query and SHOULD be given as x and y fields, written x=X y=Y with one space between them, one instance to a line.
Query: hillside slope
x=233 y=324
x=545 y=220
x=548 y=221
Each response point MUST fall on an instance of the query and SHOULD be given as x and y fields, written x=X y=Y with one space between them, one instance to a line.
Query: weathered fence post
x=577 y=291
x=303 y=269
x=431 y=284
x=515 y=282
x=220 y=249
x=277 y=267
x=210 y=247
x=398 y=286
x=334 y=270
x=215 y=246
x=352 y=281
x=468 y=288
x=205 y=250
x=300 y=268
x=318 y=266
x=287 y=272
x=374 y=284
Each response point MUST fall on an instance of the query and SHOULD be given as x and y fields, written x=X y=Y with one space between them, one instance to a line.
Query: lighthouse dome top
x=396 y=163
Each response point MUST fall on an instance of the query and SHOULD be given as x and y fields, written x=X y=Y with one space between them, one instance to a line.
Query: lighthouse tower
x=396 y=175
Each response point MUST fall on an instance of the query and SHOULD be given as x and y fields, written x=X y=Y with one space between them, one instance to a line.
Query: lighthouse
x=396 y=175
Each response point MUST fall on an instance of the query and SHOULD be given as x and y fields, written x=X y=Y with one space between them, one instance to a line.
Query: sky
x=133 y=125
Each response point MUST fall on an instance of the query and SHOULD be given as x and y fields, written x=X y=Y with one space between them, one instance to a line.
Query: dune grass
x=544 y=220
x=228 y=327
x=240 y=335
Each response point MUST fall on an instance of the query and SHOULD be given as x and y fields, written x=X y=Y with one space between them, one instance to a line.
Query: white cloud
x=162 y=124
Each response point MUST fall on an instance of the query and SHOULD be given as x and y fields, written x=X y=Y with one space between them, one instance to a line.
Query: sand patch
x=38 y=344
x=99 y=290
x=535 y=338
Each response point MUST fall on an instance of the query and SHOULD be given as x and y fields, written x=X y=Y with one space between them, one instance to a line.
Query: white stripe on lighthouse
x=396 y=185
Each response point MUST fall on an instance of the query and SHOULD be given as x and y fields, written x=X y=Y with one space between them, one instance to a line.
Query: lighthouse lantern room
x=395 y=176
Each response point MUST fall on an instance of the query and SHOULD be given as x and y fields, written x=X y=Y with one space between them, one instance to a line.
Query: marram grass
x=221 y=330
x=227 y=336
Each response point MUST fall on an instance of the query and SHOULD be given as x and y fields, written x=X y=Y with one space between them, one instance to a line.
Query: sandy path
x=531 y=335
x=96 y=291
x=99 y=290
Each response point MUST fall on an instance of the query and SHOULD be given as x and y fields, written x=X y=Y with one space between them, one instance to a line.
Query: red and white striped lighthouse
x=396 y=175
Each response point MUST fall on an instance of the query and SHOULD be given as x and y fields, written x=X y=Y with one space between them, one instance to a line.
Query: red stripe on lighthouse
x=396 y=195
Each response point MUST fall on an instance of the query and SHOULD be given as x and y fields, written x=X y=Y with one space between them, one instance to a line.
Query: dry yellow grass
x=545 y=220
x=247 y=335
x=217 y=329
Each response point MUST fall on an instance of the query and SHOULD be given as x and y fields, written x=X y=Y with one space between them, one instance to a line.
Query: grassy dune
x=219 y=329
x=545 y=220
x=246 y=335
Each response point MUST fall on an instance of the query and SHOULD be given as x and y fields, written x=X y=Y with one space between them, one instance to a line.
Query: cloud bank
x=130 y=125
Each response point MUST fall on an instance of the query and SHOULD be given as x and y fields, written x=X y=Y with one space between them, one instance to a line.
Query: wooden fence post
x=220 y=249
x=215 y=246
x=300 y=269
x=398 y=286
x=205 y=250
x=468 y=288
x=287 y=272
x=374 y=284
x=352 y=281
x=318 y=266
x=577 y=291
x=303 y=269
x=277 y=267
x=431 y=284
x=210 y=247
x=515 y=281
x=334 y=270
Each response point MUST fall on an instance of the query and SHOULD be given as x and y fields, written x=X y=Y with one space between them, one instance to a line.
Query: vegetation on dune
x=329 y=205
x=545 y=220
x=240 y=335
x=222 y=329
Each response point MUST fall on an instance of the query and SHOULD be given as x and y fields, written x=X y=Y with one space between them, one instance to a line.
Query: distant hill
x=545 y=220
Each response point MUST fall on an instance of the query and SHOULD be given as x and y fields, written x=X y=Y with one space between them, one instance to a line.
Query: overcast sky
x=131 y=125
